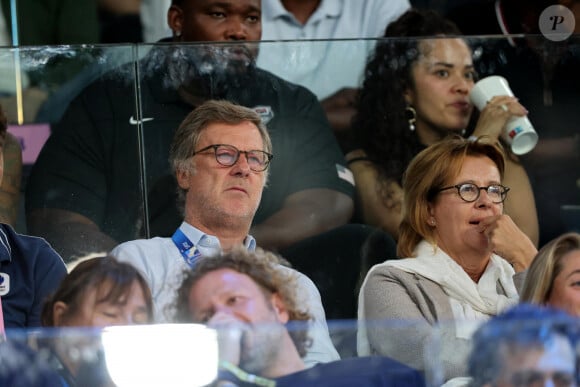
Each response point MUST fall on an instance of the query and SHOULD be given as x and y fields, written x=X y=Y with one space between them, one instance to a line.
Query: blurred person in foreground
x=415 y=93
x=526 y=346
x=97 y=293
x=220 y=155
x=24 y=367
x=462 y=257
x=554 y=276
x=252 y=304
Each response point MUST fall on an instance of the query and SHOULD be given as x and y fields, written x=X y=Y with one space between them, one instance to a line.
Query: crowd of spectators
x=225 y=177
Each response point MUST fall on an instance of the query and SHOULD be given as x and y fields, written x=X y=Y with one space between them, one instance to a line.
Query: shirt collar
x=210 y=242
x=274 y=9
x=5 y=249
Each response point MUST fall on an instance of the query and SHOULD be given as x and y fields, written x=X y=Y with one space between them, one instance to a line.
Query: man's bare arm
x=304 y=214
x=72 y=235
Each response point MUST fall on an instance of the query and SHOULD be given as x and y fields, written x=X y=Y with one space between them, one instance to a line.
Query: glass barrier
x=40 y=83
x=510 y=350
x=516 y=351
x=190 y=355
x=104 y=117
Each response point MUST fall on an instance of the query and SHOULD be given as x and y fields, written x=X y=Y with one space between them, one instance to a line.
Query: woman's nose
x=463 y=85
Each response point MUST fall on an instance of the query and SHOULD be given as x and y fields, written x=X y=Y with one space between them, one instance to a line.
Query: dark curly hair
x=380 y=125
x=266 y=270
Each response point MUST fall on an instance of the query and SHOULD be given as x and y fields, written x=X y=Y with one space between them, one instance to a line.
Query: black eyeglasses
x=228 y=155
x=470 y=192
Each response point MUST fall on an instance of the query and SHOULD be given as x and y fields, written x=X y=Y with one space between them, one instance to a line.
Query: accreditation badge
x=4 y=284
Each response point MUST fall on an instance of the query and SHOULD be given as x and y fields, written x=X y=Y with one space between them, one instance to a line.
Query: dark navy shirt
x=30 y=270
x=372 y=371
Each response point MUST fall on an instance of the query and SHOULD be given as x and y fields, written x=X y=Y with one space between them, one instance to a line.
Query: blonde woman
x=554 y=275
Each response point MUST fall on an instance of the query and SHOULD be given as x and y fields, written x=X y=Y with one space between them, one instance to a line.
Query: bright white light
x=161 y=355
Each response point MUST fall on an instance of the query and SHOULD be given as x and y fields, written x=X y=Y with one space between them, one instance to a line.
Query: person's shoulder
x=387 y=268
x=371 y=17
x=139 y=249
x=359 y=371
x=304 y=285
x=31 y=254
x=373 y=6
x=291 y=272
x=279 y=84
x=121 y=80
x=29 y=245
x=387 y=275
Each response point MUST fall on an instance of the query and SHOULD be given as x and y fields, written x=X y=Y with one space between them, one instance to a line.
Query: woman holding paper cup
x=416 y=92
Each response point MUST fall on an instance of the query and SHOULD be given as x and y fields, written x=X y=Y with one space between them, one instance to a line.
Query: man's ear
x=175 y=20
x=58 y=312
x=280 y=308
x=182 y=177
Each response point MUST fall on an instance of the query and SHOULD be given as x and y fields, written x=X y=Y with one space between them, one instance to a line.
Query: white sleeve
x=131 y=253
x=382 y=13
x=321 y=349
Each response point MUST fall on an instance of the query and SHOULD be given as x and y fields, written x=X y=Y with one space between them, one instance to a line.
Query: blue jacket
x=30 y=270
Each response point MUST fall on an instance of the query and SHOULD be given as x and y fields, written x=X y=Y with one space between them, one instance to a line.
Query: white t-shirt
x=154 y=20
x=324 y=67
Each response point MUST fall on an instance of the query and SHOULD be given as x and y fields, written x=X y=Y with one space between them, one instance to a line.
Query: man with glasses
x=220 y=156
x=85 y=193
x=103 y=178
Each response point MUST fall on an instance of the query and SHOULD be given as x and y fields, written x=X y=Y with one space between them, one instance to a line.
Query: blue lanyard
x=186 y=248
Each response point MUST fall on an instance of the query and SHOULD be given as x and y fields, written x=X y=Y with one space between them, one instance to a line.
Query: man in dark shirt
x=251 y=303
x=85 y=194
x=103 y=176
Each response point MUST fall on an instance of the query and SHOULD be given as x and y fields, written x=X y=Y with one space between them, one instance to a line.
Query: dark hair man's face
x=232 y=23
x=216 y=20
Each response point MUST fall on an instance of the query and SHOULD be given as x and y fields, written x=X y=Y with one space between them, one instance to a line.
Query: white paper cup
x=518 y=132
